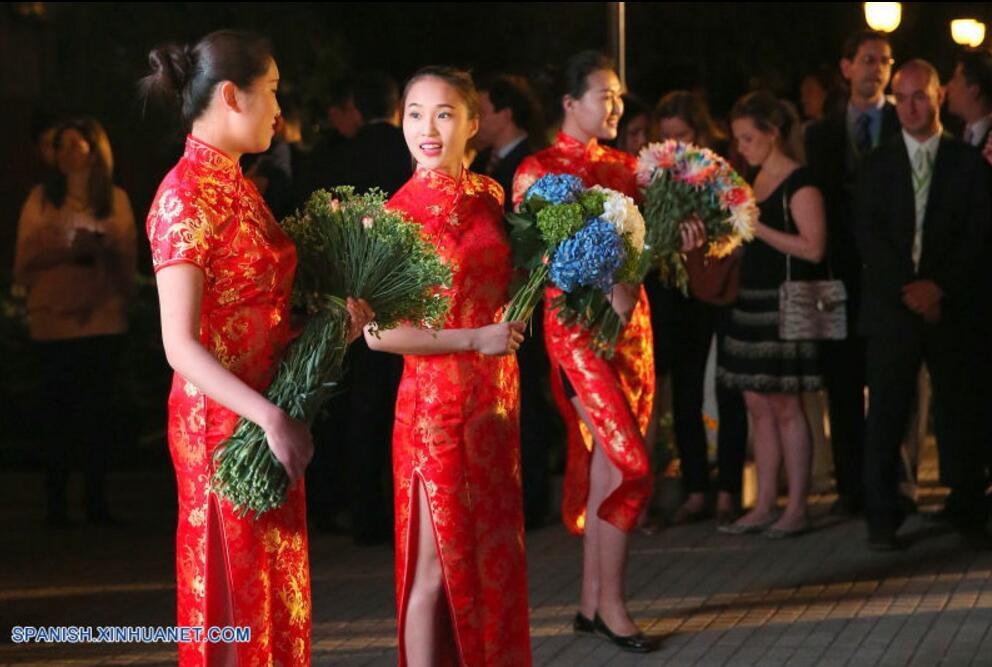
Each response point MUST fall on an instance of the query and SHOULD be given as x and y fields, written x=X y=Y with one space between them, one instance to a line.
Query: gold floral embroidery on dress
x=210 y=158
x=272 y=540
x=170 y=206
x=295 y=599
x=435 y=180
x=197 y=516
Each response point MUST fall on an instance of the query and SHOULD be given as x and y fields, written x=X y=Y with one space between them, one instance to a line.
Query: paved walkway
x=822 y=599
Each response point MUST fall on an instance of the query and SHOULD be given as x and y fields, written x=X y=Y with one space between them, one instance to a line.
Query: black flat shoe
x=883 y=540
x=583 y=626
x=636 y=643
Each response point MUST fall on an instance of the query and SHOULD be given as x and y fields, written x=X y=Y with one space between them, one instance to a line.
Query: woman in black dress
x=771 y=372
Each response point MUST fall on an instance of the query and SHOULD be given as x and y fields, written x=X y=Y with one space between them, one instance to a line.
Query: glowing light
x=883 y=16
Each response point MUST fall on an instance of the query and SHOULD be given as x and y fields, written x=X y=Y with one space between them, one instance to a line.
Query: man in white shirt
x=923 y=211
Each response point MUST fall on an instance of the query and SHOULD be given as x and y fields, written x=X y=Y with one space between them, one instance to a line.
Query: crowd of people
x=861 y=186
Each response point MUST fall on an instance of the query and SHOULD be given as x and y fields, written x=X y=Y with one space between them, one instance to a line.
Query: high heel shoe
x=582 y=625
x=636 y=643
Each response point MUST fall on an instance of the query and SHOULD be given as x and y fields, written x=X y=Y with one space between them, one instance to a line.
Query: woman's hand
x=693 y=233
x=623 y=298
x=361 y=314
x=291 y=443
x=498 y=339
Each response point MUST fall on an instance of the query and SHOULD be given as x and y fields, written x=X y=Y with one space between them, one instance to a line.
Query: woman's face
x=437 y=125
x=259 y=112
x=677 y=129
x=73 y=153
x=754 y=145
x=597 y=113
x=635 y=135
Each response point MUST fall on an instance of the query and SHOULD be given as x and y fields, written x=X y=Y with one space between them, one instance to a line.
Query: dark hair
x=857 y=39
x=376 y=95
x=188 y=75
x=515 y=93
x=823 y=77
x=976 y=65
x=767 y=113
x=42 y=121
x=633 y=107
x=458 y=79
x=691 y=109
x=575 y=76
x=100 y=189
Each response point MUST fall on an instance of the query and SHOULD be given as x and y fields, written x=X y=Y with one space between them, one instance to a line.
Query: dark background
x=87 y=57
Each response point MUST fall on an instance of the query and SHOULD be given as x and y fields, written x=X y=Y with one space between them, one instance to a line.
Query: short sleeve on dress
x=180 y=230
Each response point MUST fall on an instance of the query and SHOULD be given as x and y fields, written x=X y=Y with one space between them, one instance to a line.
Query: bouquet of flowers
x=679 y=180
x=583 y=241
x=347 y=245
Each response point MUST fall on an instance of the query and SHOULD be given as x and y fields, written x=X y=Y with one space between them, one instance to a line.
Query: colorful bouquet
x=347 y=245
x=680 y=180
x=582 y=240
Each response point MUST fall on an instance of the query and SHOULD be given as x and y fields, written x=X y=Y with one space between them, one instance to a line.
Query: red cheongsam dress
x=457 y=433
x=208 y=215
x=617 y=393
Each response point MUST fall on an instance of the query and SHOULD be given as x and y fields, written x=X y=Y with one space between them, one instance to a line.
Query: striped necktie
x=922 y=175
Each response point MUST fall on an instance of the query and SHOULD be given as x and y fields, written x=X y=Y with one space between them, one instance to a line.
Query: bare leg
x=422 y=614
x=767 y=458
x=724 y=502
x=695 y=503
x=797 y=451
x=605 y=547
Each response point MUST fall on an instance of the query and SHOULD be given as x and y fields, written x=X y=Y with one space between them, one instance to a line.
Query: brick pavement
x=822 y=599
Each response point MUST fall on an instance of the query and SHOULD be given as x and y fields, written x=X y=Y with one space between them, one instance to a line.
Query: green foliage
x=347 y=246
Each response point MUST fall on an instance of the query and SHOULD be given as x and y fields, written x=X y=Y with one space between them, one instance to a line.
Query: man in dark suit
x=339 y=127
x=377 y=157
x=508 y=115
x=835 y=147
x=969 y=95
x=509 y=121
x=922 y=213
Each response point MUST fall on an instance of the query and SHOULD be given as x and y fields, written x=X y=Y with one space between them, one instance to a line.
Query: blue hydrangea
x=590 y=258
x=556 y=188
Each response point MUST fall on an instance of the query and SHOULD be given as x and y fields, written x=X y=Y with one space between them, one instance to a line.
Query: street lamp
x=883 y=16
x=968 y=32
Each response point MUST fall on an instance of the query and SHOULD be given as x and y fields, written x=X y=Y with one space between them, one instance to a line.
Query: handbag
x=714 y=281
x=810 y=309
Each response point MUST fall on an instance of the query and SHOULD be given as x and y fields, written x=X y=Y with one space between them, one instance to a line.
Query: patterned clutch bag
x=810 y=309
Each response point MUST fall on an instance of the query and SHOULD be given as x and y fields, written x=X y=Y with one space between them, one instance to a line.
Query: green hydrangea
x=592 y=202
x=630 y=270
x=559 y=222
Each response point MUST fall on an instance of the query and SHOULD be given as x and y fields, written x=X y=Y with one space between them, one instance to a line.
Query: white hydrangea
x=621 y=211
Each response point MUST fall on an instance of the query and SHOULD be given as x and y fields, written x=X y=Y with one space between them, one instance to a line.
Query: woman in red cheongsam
x=225 y=272
x=461 y=580
x=606 y=403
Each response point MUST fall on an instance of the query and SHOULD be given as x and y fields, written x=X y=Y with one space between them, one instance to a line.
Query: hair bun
x=172 y=66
